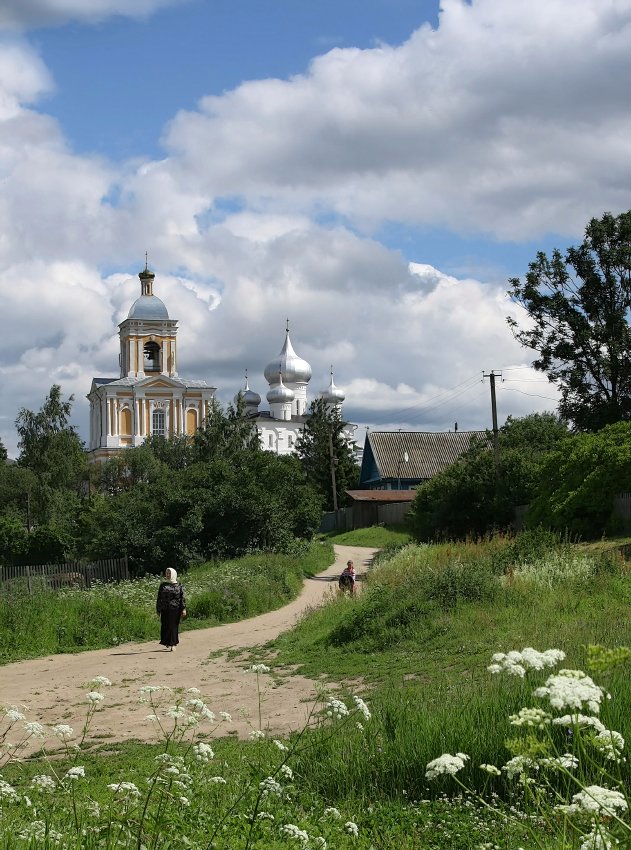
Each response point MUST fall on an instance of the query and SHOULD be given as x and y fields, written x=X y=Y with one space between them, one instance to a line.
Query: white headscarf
x=170 y=575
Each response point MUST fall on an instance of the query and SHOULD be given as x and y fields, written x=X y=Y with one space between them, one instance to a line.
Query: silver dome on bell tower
x=293 y=368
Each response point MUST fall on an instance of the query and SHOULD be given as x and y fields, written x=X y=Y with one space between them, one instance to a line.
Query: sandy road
x=52 y=689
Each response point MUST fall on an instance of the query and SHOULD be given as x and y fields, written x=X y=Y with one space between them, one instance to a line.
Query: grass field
x=416 y=645
x=375 y=537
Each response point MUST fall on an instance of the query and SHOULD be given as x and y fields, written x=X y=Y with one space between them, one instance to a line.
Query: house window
x=290 y=441
x=158 y=423
x=270 y=441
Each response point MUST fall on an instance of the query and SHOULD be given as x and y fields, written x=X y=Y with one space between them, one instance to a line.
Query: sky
x=373 y=171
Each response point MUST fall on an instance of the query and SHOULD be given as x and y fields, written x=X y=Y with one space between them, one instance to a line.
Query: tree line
x=168 y=502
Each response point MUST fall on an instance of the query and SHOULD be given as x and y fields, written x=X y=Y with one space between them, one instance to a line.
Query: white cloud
x=510 y=119
x=22 y=14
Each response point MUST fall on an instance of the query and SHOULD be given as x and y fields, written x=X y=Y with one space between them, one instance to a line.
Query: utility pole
x=333 y=461
x=496 y=441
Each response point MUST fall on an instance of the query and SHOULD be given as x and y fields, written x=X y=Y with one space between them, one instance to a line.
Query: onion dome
x=294 y=369
x=250 y=397
x=332 y=394
x=148 y=306
x=280 y=393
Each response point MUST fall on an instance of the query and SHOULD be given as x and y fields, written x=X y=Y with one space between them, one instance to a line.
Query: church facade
x=150 y=399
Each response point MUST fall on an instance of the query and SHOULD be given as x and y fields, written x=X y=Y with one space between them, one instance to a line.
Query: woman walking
x=171 y=608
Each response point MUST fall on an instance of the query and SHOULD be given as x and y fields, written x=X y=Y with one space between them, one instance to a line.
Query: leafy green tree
x=579 y=308
x=49 y=445
x=3 y=453
x=225 y=433
x=580 y=479
x=322 y=443
x=472 y=497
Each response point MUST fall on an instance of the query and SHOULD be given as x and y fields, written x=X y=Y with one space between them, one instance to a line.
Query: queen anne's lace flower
x=596 y=799
x=43 y=782
x=13 y=715
x=124 y=789
x=227 y=718
x=35 y=729
x=517 y=663
x=218 y=780
x=293 y=831
x=534 y=717
x=336 y=709
x=361 y=706
x=610 y=743
x=445 y=764
x=332 y=812
x=203 y=752
x=518 y=765
x=259 y=668
x=270 y=786
x=580 y=720
x=572 y=689
x=351 y=828
x=63 y=731
x=286 y=771
x=95 y=697
x=598 y=839
x=100 y=682
x=257 y=734
x=567 y=761
x=491 y=769
x=280 y=745
x=7 y=792
x=76 y=772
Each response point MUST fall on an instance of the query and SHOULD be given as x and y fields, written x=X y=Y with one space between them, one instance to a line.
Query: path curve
x=52 y=689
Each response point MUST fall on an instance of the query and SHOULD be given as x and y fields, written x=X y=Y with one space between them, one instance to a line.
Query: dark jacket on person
x=170 y=597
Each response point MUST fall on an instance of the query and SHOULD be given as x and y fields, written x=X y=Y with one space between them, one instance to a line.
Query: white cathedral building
x=149 y=398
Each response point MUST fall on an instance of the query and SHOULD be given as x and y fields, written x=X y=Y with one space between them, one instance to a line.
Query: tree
x=49 y=445
x=579 y=482
x=3 y=453
x=471 y=497
x=323 y=445
x=579 y=309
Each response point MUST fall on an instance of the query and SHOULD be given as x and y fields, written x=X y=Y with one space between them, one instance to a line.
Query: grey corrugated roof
x=428 y=452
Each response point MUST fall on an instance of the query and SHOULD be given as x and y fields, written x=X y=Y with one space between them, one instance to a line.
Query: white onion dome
x=148 y=306
x=280 y=393
x=250 y=397
x=332 y=394
x=294 y=369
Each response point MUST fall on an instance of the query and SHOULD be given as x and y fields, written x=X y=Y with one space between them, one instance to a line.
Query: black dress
x=169 y=605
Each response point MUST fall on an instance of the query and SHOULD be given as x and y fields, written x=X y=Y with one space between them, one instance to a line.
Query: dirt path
x=52 y=689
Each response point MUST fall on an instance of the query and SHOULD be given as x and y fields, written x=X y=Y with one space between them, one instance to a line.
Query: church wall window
x=125 y=421
x=157 y=423
x=191 y=421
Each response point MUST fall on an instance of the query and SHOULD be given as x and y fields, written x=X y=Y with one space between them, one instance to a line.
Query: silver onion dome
x=250 y=397
x=148 y=306
x=280 y=393
x=332 y=394
x=294 y=369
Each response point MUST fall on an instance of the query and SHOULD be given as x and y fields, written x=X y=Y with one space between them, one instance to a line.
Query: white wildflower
x=203 y=752
x=176 y=711
x=100 y=682
x=280 y=745
x=351 y=828
x=218 y=780
x=265 y=816
x=7 y=792
x=152 y=689
x=572 y=689
x=567 y=761
x=518 y=765
x=256 y=734
x=38 y=831
x=361 y=706
x=610 y=743
x=43 y=782
x=491 y=769
x=124 y=789
x=536 y=717
x=35 y=729
x=517 y=663
x=286 y=771
x=596 y=799
x=259 y=668
x=227 y=718
x=580 y=720
x=193 y=691
x=320 y=842
x=63 y=731
x=332 y=812
x=77 y=772
x=152 y=718
x=95 y=697
x=184 y=801
x=446 y=764
x=598 y=839
x=293 y=831
x=14 y=714
x=195 y=704
x=270 y=786
x=336 y=709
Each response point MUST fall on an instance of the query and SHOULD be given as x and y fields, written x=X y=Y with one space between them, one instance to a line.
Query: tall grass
x=51 y=622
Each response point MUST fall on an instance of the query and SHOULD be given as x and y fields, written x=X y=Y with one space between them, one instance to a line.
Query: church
x=150 y=399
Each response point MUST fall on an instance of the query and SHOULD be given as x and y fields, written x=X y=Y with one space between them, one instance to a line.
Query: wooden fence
x=32 y=578
x=622 y=507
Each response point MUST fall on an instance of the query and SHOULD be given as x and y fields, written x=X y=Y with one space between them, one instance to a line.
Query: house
x=401 y=460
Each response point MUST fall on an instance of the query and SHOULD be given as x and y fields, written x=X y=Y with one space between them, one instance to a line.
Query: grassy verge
x=376 y=536
x=76 y=620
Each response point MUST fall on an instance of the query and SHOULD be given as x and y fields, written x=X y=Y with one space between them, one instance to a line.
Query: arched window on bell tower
x=151 y=357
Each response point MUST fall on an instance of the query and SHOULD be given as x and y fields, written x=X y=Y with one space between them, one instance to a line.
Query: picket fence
x=37 y=577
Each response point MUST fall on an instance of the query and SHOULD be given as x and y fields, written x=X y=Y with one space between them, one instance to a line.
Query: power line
x=534 y=395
